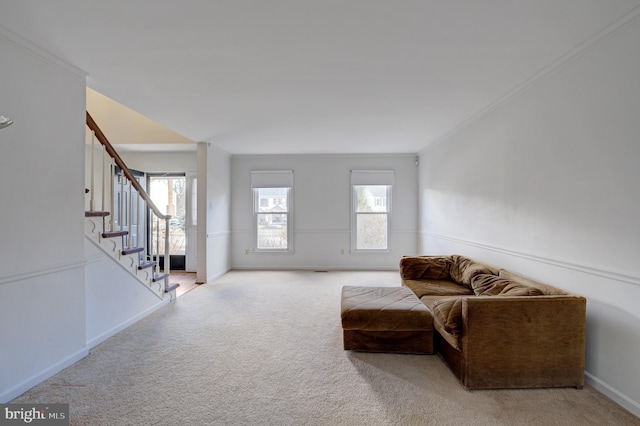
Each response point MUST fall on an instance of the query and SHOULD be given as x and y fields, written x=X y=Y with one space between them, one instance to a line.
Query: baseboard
x=117 y=329
x=40 y=377
x=216 y=275
x=109 y=255
x=602 y=387
x=618 y=397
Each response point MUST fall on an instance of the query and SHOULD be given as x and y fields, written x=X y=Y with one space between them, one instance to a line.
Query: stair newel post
x=92 y=171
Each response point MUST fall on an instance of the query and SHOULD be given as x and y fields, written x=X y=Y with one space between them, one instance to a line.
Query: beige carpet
x=265 y=348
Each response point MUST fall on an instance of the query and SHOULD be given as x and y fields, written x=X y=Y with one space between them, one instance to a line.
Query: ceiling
x=129 y=130
x=311 y=76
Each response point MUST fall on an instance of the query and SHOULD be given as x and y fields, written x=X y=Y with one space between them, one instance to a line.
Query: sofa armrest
x=425 y=267
x=528 y=341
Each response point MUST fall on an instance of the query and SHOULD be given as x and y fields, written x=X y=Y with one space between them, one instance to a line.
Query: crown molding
x=39 y=52
x=619 y=25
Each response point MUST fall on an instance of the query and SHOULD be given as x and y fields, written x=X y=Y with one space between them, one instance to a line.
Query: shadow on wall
x=613 y=338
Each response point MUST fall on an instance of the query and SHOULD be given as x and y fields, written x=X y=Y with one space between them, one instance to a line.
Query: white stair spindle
x=167 y=256
x=104 y=179
x=112 y=209
x=130 y=215
x=121 y=199
x=93 y=173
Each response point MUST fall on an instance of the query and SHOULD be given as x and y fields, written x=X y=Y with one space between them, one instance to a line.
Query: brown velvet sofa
x=497 y=329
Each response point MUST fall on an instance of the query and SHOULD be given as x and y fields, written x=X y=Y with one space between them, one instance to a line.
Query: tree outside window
x=371 y=216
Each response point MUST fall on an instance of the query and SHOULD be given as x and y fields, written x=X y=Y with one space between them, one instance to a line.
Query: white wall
x=547 y=184
x=115 y=299
x=214 y=197
x=42 y=309
x=322 y=211
x=152 y=162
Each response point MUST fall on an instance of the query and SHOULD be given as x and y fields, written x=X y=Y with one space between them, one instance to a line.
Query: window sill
x=268 y=251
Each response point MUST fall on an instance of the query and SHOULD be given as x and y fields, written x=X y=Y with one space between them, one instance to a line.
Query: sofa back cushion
x=491 y=285
x=425 y=267
x=464 y=269
x=425 y=287
x=544 y=288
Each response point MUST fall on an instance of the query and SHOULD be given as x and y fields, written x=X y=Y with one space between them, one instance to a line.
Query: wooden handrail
x=112 y=152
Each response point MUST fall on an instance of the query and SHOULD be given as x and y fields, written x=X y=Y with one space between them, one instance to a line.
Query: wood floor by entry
x=187 y=281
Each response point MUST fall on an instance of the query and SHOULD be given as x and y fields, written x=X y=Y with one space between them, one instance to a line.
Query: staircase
x=123 y=221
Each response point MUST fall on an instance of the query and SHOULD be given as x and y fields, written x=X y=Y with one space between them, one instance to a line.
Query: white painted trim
x=326 y=231
x=125 y=324
x=94 y=259
x=218 y=234
x=216 y=275
x=43 y=375
x=625 y=277
x=40 y=52
x=405 y=231
x=615 y=395
x=329 y=156
x=314 y=268
x=46 y=270
x=619 y=25
x=117 y=261
x=215 y=147
x=618 y=397
x=322 y=231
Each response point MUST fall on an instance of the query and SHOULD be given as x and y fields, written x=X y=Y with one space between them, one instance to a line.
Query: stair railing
x=128 y=207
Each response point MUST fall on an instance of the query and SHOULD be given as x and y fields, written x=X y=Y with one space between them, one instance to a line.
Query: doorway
x=169 y=193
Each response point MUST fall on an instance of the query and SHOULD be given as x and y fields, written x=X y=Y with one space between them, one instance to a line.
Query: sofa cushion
x=429 y=300
x=544 y=288
x=464 y=269
x=436 y=288
x=425 y=267
x=490 y=285
x=383 y=309
x=447 y=312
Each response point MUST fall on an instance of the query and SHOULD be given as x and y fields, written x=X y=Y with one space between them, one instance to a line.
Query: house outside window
x=371 y=216
x=371 y=209
x=272 y=209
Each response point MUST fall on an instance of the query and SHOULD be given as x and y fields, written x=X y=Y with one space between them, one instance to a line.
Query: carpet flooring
x=265 y=348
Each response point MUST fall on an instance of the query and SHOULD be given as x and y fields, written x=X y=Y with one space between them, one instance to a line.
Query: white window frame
x=356 y=214
x=273 y=180
x=371 y=178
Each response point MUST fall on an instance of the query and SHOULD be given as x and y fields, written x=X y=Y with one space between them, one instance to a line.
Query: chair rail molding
x=46 y=270
x=625 y=277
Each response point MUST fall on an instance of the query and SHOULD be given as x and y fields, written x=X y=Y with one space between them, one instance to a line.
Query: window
x=371 y=209
x=371 y=216
x=272 y=210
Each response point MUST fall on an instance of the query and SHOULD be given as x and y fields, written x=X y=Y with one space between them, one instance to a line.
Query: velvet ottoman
x=385 y=319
